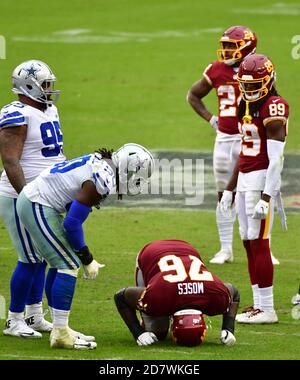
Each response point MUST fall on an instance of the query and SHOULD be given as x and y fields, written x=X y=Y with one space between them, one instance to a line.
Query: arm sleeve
x=275 y=154
x=77 y=214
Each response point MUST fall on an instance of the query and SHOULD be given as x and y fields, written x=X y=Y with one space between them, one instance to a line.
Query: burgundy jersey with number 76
x=176 y=278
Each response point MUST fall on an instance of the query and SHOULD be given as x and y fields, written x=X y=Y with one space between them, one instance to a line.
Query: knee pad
x=70 y=272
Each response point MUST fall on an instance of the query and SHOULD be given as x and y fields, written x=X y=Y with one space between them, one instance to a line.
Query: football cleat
x=19 y=328
x=296 y=300
x=296 y=311
x=260 y=317
x=62 y=337
x=244 y=314
x=227 y=338
x=87 y=338
x=39 y=323
x=223 y=256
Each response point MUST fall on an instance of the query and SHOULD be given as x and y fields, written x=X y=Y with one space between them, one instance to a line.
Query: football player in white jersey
x=75 y=186
x=30 y=141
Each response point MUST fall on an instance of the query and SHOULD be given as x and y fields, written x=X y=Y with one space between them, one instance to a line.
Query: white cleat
x=227 y=338
x=19 y=328
x=223 y=256
x=38 y=323
x=261 y=317
x=244 y=314
x=274 y=260
x=63 y=338
x=87 y=338
x=296 y=300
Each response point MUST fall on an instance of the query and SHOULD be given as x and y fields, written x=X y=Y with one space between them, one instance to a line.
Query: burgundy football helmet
x=236 y=43
x=188 y=327
x=256 y=77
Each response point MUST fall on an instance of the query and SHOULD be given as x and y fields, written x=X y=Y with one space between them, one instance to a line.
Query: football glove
x=214 y=122
x=227 y=338
x=146 y=339
x=226 y=203
x=91 y=270
x=261 y=210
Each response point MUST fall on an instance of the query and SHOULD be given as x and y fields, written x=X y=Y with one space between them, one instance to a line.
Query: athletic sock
x=20 y=285
x=35 y=295
x=225 y=228
x=256 y=297
x=62 y=295
x=263 y=263
x=251 y=262
x=266 y=299
x=52 y=272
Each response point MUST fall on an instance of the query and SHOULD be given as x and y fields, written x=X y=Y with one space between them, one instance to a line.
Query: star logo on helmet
x=31 y=72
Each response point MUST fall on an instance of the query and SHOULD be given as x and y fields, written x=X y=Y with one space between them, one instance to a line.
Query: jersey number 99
x=52 y=138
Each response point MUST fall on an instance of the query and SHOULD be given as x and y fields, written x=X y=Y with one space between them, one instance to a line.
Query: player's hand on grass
x=227 y=338
x=91 y=270
x=146 y=339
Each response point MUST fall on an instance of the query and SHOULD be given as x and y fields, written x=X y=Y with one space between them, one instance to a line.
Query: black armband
x=85 y=255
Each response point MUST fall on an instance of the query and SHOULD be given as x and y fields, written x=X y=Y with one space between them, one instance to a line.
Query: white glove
x=261 y=210
x=146 y=339
x=226 y=203
x=91 y=270
x=227 y=338
x=214 y=122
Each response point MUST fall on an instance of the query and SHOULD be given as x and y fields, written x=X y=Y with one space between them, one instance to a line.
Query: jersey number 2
x=52 y=138
x=227 y=103
x=174 y=263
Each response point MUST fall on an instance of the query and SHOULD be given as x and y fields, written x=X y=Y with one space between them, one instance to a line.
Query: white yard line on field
x=272 y=333
x=75 y=36
x=37 y=357
x=274 y=9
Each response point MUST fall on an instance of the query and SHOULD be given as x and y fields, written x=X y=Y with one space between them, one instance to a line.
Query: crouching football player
x=172 y=281
x=75 y=186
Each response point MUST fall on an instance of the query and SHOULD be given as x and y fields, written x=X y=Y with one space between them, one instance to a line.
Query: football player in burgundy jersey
x=172 y=281
x=263 y=123
x=237 y=43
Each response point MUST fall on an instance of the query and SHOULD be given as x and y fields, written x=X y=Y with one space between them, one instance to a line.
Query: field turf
x=124 y=68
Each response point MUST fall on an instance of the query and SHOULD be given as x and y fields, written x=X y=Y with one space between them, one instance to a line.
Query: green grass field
x=124 y=68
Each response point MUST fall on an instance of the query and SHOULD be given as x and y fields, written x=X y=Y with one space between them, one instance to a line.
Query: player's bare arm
x=198 y=91
x=88 y=195
x=11 y=147
x=229 y=316
x=126 y=301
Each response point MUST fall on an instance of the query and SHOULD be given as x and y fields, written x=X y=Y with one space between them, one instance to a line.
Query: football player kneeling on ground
x=75 y=186
x=263 y=117
x=173 y=283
